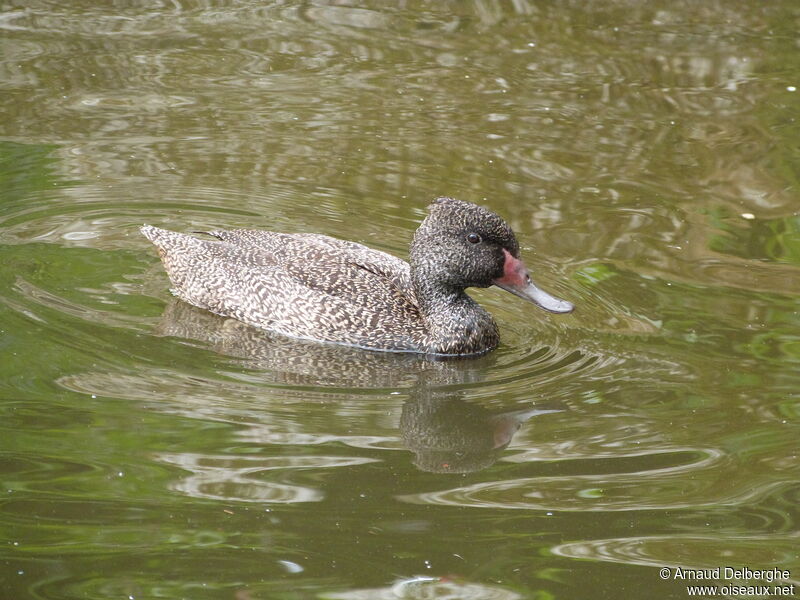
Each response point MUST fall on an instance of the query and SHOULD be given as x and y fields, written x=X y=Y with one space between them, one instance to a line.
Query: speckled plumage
x=317 y=287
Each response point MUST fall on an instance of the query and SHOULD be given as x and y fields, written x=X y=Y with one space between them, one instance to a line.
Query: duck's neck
x=455 y=322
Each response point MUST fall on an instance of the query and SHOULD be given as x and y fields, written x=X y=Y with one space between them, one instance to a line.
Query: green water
x=646 y=154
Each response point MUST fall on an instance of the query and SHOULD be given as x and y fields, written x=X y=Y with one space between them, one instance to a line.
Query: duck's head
x=460 y=245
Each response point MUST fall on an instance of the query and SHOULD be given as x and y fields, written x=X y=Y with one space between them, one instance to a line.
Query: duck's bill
x=516 y=280
x=538 y=296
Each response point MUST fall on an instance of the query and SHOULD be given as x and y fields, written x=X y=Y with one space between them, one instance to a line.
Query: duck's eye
x=473 y=238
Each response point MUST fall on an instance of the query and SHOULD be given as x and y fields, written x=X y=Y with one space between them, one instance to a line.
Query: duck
x=316 y=287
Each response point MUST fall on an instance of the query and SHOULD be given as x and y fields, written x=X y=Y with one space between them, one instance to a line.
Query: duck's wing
x=302 y=288
x=326 y=263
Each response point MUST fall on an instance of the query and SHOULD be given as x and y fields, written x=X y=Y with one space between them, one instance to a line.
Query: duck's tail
x=154 y=234
x=164 y=237
x=173 y=247
x=181 y=254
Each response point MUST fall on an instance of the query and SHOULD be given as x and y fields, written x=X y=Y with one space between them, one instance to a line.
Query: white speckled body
x=317 y=287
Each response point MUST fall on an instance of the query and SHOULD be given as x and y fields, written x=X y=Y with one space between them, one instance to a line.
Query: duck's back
x=303 y=285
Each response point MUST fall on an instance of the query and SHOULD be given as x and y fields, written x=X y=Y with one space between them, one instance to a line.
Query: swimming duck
x=316 y=287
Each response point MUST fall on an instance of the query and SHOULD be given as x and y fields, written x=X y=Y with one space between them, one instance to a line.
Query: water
x=646 y=155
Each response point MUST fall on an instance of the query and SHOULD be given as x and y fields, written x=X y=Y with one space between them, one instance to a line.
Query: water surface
x=646 y=155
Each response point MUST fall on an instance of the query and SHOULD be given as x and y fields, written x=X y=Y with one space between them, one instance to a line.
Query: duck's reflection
x=446 y=432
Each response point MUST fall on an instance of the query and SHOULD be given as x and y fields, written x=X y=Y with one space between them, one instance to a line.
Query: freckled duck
x=317 y=287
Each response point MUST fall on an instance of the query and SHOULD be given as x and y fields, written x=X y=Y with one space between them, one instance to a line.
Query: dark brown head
x=460 y=245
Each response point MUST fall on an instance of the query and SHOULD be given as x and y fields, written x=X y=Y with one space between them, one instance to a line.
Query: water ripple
x=241 y=478
x=685 y=485
x=700 y=551
x=425 y=587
